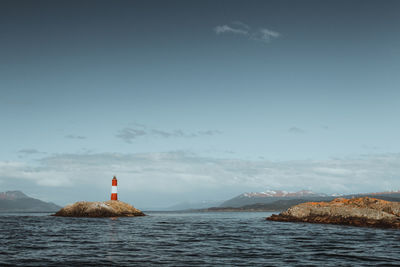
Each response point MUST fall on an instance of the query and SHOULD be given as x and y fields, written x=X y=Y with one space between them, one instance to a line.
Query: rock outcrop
x=111 y=208
x=364 y=211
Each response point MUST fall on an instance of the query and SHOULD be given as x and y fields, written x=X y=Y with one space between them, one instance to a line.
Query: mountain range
x=16 y=201
x=269 y=200
x=192 y=205
x=280 y=200
x=269 y=196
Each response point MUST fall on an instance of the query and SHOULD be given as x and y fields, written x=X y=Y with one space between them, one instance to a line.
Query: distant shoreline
x=27 y=211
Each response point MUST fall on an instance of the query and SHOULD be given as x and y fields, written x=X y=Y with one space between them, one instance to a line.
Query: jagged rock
x=364 y=211
x=111 y=208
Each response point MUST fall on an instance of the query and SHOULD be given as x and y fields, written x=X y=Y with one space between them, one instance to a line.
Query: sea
x=190 y=239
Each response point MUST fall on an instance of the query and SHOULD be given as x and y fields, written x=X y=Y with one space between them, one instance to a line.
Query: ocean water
x=190 y=239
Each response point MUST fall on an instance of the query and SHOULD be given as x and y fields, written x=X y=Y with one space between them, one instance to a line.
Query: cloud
x=241 y=25
x=129 y=134
x=30 y=151
x=227 y=29
x=369 y=147
x=165 y=134
x=72 y=136
x=180 y=172
x=209 y=132
x=325 y=127
x=263 y=35
x=295 y=130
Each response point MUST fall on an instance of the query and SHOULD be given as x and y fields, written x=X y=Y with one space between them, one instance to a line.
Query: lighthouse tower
x=114 y=191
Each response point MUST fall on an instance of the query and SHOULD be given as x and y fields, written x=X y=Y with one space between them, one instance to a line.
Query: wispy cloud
x=296 y=130
x=73 y=136
x=263 y=34
x=227 y=29
x=128 y=134
x=209 y=132
x=325 y=127
x=241 y=25
x=29 y=151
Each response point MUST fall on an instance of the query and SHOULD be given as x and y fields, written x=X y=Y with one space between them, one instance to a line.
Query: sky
x=198 y=100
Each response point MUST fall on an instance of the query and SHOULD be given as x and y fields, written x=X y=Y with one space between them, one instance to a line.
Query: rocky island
x=111 y=208
x=364 y=211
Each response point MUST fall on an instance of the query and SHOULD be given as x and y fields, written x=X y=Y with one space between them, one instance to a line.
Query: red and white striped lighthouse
x=114 y=191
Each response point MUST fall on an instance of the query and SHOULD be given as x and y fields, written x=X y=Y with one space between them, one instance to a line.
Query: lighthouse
x=114 y=191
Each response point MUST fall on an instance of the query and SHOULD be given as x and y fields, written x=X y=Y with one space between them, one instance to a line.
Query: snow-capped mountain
x=270 y=196
x=280 y=196
x=280 y=193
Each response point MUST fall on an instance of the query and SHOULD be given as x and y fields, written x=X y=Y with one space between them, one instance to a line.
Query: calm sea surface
x=187 y=239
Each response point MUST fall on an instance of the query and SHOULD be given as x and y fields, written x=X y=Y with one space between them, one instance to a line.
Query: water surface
x=184 y=239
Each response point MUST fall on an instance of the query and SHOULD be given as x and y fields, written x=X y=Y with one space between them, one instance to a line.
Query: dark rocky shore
x=364 y=211
x=111 y=208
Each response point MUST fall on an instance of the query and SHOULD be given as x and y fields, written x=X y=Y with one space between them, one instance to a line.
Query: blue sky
x=185 y=93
